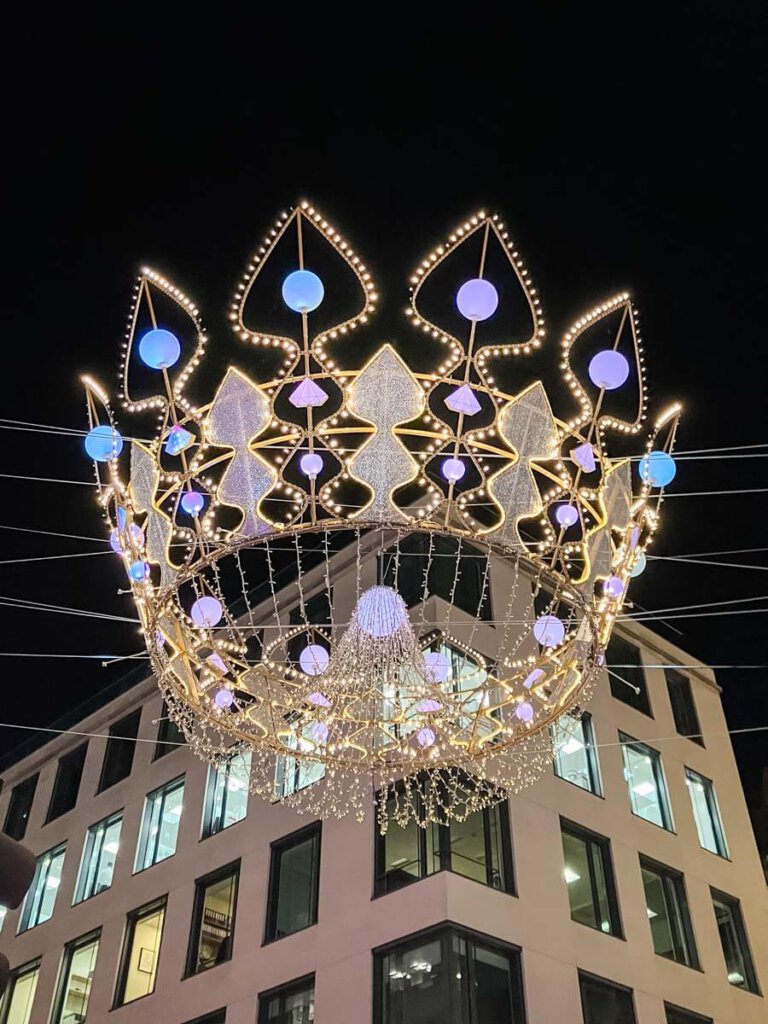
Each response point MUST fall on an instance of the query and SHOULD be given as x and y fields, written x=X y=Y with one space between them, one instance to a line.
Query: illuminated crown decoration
x=320 y=553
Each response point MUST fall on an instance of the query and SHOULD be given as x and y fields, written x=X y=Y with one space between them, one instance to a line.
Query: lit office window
x=575 y=757
x=289 y=1004
x=102 y=842
x=3 y=912
x=169 y=736
x=226 y=794
x=733 y=937
x=160 y=824
x=645 y=781
x=67 y=784
x=683 y=707
x=141 y=951
x=294 y=877
x=588 y=874
x=19 y=808
x=73 y=991
x=479 y=848
x=627 y=678
x=604 y=1002
x=41 y=897
x=445 y=971
x=677 y=1015
x=16 y=1007
x=706 y=813
x=118 y=755
x=668 y=915
x=213 y=919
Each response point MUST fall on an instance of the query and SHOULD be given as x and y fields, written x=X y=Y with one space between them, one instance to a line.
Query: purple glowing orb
x=613 y=587
x=206 y=612
x=608 y=369
x=477 y=299
x=524 y=711
x=319 y=699
x=192 y=502
x=428 y=706
x=314 y=660
x=567 y=515
x=549 y=630
x=453 y=470
x=223 y=698
x=311 y=464
x=425 y=737
x=136 y=536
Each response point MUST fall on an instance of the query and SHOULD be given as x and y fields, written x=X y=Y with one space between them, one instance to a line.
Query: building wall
x=351 y=922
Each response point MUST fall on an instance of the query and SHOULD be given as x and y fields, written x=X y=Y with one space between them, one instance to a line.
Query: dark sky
x=625 y=152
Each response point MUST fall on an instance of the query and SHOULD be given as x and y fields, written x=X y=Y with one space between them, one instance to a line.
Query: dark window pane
x=291 y=1004
x=293 y=883
x=605 y=1003
x=19 y=808
x=459 y=575
x=118 y=756
x=67 y=784
x=169 y=735
x=217 y=1017
x=683 y=708
x=399 y=853
x=588 y=874
x=492 y=984
x=733 y=938
x=213 y=921
x=668 y=915
x=677 y=1015
x=623 y=659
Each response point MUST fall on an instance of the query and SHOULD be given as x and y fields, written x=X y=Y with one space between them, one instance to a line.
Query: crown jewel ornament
x=352 y=600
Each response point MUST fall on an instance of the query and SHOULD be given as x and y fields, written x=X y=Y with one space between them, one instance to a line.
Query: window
x=733 y=937
x=19 y=807
x=67 y=784
x=683 y=708
x=169 y=735
x=217 y=1017
x=141 y=951
x=667 y=908
x=588 y=874
x=294 y=875
x=73 y=992
x=213 y=919
x=289 y=1004
x=677 y=1015
x=575 y=755
x=226 y=794
x=604 y=1002
x=440 y=972
x=118 y=756
x=160 y=824
x=41 y=897
x=294 y=773
x=706 y=813
x=20 y=994
x=3 y=912
x=102 y=842
x=626 y=675
x=645 y=782
x=479 y=848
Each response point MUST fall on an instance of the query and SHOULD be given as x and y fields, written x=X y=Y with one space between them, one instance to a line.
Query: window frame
x=65 y=762
x=674 y=880
x=678 y=679
x=684 y=1016
x=143 y=839
x=277 y=848
x=603 y=845
x=105 y=781
x=72 y=947
x=713 y=808
x=30 y=783
x=211 y=781
x=30 y=967
x=659 y=778
x=164 y=745
x=593 y=763
x=751 y=983
x=106 y=823
x=231 y=870
x=288 y=988
x=618 y=687
x=129 y=934
x=588 y=976
x=24 y=917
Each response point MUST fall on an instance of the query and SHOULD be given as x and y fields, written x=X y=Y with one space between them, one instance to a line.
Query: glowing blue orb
x=206 y=612
x=608 y=369
x=567 y=515
x=159 y=349
x=613 y=587
x=657 y=469
x=314 y=660
x=311 y=464
x=303 y=291
x=639 y=567
x=453 y=470
x=381 y=612
x=192 y=502
x=122 y=517
x=477 y=299
x=138 y=571
x=549 y=630
x=524 y=711
x=103 y=443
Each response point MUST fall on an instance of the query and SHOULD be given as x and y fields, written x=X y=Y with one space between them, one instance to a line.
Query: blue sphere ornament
x=103 y=443
x=138 y=571
x=453 y=470
x=477 y=299
x=608 y=369
x=566 y=515
x=159 y=349
x=657 y=469
x=303 y=291
x=192 y=502
x=639 y=567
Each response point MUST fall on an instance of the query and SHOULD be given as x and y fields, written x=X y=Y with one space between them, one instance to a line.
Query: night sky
x=623 y=153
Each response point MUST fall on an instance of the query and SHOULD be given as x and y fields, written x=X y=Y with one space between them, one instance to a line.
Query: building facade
x=624 y=887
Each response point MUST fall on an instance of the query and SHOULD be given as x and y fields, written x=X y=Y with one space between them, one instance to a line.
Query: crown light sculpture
x=421 y=474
